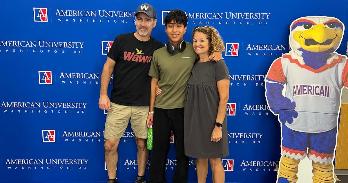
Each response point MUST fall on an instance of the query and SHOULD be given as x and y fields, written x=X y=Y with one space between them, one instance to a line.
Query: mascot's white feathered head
x=316 y=34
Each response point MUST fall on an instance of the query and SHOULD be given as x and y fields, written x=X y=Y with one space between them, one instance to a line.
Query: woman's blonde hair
x=216 y=44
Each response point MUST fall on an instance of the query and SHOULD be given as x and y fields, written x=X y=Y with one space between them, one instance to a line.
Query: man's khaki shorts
x=118 y=117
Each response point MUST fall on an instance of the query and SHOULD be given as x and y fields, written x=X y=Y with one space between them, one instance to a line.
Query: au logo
x=45 y=77
x=231 y=109
x=232 y=49
x=106 y=46
x=228 y=165
x=164 y=13
x=40 y=15
x=48 y=135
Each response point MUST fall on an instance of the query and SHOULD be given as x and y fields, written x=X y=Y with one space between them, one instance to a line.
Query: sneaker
x=140 y=179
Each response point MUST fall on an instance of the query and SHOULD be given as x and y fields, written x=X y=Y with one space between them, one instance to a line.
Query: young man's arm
x=104 y=101
x=154 y=84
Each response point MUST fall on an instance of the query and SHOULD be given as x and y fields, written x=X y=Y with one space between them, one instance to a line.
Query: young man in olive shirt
x=170 y=69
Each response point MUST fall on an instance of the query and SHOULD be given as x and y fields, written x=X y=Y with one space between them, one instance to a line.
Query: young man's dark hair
x=178 y=16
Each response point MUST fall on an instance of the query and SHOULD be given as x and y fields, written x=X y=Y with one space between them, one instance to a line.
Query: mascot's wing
x=275 y=80
x=278 y=104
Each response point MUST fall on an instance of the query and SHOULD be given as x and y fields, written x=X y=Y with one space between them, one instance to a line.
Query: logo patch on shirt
x=136 y=57
x=311 y=90
x=139 y=51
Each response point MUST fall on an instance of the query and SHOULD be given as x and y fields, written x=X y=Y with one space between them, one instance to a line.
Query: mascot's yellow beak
x=318 y=37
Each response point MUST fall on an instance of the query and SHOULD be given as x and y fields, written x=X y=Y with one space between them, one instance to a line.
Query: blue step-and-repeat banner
x=51 y=57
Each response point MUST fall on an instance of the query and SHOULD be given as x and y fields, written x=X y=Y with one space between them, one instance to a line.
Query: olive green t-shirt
x=172 y=72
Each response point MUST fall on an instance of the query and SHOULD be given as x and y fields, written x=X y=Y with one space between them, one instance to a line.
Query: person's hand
x=216 y=135
x=216 y=56
x=158 y=91
x=149 y=120
x=104 y=102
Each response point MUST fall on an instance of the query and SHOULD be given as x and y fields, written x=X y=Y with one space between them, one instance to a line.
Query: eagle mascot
x=303 y=87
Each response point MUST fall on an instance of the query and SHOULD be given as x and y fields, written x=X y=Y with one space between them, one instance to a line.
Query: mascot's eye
x=332 y=25
x=307 y=26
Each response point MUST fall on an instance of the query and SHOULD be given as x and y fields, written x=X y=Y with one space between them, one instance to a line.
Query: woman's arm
x=223 y=89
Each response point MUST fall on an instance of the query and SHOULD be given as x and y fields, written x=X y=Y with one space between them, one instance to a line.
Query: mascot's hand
x=286 y=111
x=287 y=116
x=282 y=104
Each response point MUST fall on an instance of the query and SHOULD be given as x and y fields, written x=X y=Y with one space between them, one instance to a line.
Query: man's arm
x=154 y=84
x=104 y=101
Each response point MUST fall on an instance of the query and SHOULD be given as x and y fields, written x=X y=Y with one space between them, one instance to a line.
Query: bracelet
x=151 y=112
x=217 y=124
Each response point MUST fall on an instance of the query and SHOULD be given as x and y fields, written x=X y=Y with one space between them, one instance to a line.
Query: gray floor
x=342 y=175
x=343 y=178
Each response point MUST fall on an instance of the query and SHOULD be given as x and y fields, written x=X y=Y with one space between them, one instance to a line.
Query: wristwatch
x=217 y=124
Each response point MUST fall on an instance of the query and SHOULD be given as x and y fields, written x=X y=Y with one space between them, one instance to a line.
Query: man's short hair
x=178 y=16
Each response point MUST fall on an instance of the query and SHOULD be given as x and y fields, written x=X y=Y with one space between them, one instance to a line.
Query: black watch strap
x=218 y=124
